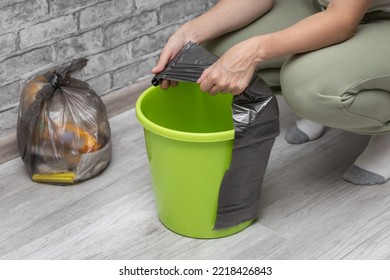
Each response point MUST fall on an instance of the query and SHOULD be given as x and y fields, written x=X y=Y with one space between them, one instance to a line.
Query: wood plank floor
x=307 y=210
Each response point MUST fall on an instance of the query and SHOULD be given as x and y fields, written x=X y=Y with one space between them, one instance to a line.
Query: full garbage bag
x=255 y=116
x=63 y=132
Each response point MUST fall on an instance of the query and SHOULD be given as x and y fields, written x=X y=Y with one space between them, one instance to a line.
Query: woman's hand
x=225 y=16
x=233 y=71
x=175 y=43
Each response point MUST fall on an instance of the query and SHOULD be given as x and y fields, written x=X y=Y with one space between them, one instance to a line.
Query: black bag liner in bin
x=256 y=125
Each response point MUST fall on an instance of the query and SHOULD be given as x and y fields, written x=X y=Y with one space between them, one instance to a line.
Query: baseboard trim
x=8 y=147
x=125 y=98
x=116 y=102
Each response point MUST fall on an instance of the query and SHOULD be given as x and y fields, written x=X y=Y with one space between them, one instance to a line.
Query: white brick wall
x=121 y=39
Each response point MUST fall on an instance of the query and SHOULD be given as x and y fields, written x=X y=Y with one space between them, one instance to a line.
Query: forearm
x=317 y=31
x=310 y=34
x=225 y=16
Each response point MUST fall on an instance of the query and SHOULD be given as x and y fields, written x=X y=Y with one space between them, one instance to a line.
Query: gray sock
x=360 y=176
x=295 y=136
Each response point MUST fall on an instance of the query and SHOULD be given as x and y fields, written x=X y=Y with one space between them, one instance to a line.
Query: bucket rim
x=176 y=134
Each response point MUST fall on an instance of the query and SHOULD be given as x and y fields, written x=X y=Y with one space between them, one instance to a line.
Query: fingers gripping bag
x=63 y=131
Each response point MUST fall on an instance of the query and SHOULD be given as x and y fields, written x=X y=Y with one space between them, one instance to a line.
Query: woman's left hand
x=233 y=71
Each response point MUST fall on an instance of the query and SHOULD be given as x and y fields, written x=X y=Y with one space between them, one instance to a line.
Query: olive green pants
x=346 y=85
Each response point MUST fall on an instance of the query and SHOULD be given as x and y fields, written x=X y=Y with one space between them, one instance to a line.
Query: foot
x=372 y=167
x=303 y=131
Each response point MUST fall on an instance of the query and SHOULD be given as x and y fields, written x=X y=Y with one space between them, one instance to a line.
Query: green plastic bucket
x=189 y=137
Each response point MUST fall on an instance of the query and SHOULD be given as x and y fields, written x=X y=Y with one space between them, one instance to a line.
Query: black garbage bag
x=256 y=124
x=63 y=131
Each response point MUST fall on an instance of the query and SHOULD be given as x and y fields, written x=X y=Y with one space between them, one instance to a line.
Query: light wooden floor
x=307 y=211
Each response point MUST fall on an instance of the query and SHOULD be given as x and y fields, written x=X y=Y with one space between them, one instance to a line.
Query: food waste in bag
x=255 y=117
x=63 y=131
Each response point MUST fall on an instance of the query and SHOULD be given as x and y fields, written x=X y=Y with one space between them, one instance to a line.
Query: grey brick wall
x=121 y=39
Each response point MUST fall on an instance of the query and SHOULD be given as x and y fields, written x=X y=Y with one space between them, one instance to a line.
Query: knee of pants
x=333 y=100
x=302 y=90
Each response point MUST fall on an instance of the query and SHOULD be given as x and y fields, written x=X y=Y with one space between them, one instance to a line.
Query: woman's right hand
x=174 y=44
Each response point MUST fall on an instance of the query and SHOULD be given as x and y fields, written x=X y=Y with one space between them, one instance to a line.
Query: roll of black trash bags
x=63 y=131
x=255 y=116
